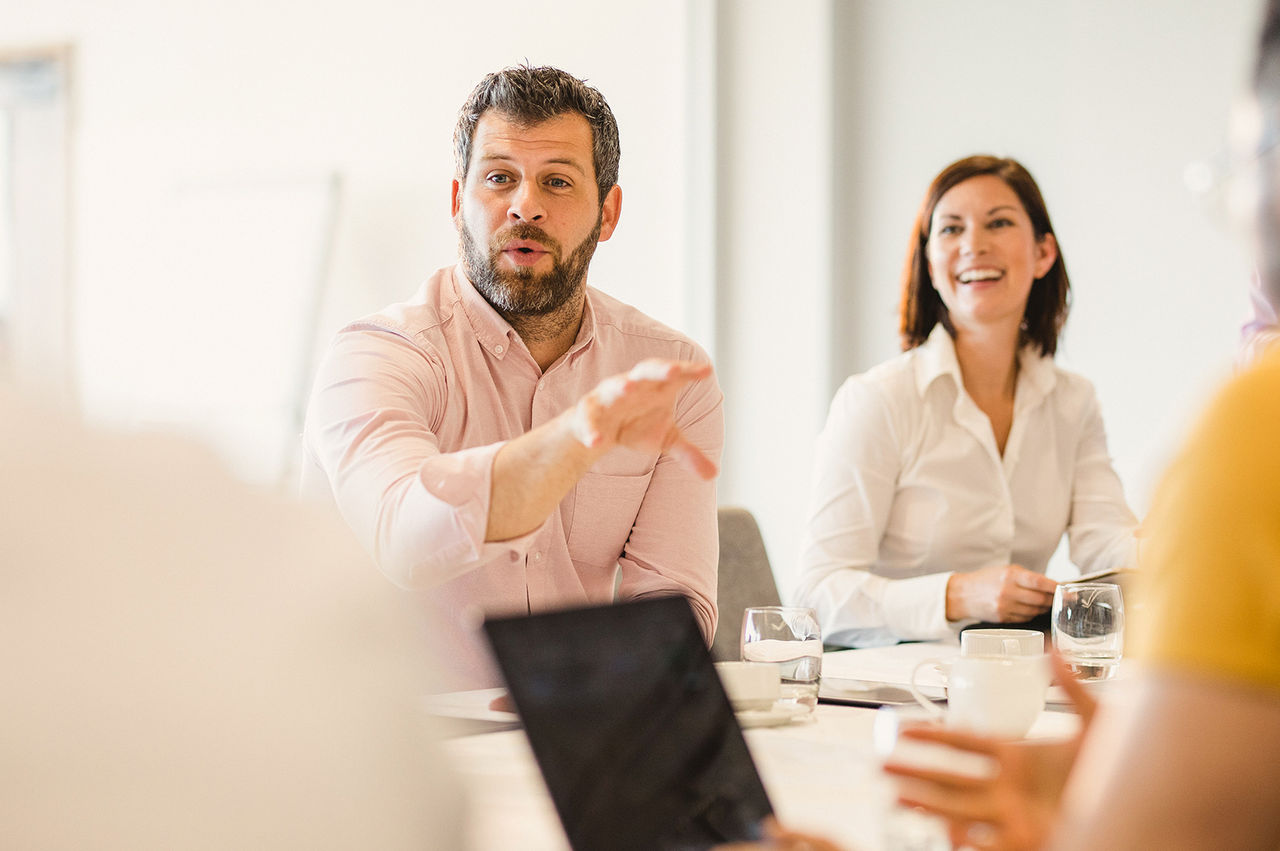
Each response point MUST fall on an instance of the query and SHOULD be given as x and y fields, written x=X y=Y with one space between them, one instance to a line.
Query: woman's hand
x=999 y=594
x=1015 y=807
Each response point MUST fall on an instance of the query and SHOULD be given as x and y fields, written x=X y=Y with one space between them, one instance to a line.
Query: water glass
x=1088 y=628
x=789 y=637
x=906 y=828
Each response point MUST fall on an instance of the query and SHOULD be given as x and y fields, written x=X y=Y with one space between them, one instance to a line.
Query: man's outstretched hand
x=637 y=410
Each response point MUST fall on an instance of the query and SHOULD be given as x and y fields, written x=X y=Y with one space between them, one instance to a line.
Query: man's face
x=529 y=215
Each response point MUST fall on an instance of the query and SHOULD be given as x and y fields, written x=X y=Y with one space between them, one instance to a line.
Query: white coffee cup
x=1001 y=642
x=992 y=695
x=750 y=685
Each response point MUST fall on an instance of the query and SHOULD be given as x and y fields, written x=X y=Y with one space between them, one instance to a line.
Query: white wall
x=1106 y=103
x=774 y=196
x=831 y=117
x=173 y=95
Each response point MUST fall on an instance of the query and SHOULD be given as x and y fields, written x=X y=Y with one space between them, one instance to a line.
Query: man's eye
x=499 y=178
x=558 y=183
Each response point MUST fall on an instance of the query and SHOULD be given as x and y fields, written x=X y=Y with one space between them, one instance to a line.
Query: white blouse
x=909 y=488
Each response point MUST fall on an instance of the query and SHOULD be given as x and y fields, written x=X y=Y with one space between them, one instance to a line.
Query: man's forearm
x=532 y=474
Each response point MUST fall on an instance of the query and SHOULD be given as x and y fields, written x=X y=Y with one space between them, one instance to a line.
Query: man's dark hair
x=922 y=308
x=527 y=96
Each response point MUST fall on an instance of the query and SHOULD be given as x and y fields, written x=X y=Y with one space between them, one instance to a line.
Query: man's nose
x=526 y=204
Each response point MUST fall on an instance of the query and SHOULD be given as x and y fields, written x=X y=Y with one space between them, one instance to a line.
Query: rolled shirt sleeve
x=370 y=429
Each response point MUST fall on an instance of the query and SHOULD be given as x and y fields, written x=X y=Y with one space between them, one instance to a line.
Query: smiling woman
x=946 y=477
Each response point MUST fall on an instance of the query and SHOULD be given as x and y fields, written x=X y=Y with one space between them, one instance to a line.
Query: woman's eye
x=948 y=230
x=1001 y=223
x=499 y=178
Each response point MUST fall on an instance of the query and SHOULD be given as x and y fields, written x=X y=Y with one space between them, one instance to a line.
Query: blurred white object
x=190 y=662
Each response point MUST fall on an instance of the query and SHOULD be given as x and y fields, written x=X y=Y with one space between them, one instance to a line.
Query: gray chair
x=745 y=578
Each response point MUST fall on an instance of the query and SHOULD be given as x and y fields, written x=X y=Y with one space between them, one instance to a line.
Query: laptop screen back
x=628 y=722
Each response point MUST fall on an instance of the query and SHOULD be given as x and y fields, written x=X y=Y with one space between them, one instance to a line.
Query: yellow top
x=1212 y=595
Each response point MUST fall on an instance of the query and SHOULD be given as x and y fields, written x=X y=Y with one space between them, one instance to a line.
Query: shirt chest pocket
x=604 y=510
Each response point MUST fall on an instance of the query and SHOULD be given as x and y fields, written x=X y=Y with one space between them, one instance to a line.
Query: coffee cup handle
x=929 y=706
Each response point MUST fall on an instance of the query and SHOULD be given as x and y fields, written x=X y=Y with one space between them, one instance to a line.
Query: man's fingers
x=667 y=370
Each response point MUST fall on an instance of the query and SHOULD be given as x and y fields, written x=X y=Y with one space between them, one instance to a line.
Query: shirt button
x=542 y=385
x=498 y=349
x=537 y=556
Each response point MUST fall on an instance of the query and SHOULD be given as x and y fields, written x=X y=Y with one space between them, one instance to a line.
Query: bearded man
x=511 y=439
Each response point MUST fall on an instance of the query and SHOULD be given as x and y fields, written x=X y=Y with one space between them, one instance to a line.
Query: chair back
x=746 y=579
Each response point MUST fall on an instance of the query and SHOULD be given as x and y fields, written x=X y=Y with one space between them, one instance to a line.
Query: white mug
x=750 y=685
x=992 y=695
x=1001 y=642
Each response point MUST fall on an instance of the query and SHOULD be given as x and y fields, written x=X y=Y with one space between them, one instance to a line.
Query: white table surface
x=822 y=776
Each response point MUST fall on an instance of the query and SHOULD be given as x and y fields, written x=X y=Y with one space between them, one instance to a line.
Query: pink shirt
x=411 y=405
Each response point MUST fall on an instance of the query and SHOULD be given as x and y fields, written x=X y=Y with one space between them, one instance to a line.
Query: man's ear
x=610 y=210
x=454 y=204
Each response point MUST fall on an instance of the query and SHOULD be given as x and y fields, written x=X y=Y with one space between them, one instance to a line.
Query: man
x=512 y=440
x=1188 y=755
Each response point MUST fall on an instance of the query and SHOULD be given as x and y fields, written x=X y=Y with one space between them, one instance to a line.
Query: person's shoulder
x=892 y=378
x=636 y=329
x=1071 y=388
x=888 y=389
x=432 y=306
x=1246 y=411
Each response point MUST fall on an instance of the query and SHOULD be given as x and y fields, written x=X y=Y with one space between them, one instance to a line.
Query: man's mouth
x=524 y=252
x=525 y=246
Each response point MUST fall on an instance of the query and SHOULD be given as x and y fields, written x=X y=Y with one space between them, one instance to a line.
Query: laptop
x=633 y=733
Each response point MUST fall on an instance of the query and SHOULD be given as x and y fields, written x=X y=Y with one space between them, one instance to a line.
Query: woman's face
x=983 y=253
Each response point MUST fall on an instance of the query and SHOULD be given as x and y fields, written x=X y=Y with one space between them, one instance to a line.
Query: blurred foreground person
x=192 y=663
x=1188 y=755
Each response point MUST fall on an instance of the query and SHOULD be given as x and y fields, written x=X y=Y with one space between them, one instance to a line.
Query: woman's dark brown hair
x=922 y=308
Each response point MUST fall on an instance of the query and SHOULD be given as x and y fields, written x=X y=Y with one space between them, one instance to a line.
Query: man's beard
x=521 y=292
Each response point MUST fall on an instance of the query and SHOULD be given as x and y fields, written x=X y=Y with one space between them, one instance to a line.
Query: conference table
x=822 y=775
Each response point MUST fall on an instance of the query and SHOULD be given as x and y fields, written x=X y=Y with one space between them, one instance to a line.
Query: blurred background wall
x=241 y=178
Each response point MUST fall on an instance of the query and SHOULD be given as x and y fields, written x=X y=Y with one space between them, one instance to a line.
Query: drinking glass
x=789 y=637
x=907 y=828
x=1088 y=628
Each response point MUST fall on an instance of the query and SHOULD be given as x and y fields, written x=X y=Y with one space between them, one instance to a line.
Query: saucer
x=775 y=717
x=1057 y=695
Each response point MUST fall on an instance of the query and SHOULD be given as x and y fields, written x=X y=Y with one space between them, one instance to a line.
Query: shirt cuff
x=916 y=609
x=463 y=481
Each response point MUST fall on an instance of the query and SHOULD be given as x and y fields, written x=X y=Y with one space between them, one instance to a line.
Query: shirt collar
x=494 y=333
x=1036 y=374
x=937 y=357
x=586 y=331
